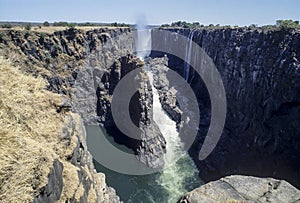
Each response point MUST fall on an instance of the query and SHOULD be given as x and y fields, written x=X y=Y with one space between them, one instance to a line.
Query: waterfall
x=180 y=173
x=180 y=170
x=142 y=41
x=188 y=55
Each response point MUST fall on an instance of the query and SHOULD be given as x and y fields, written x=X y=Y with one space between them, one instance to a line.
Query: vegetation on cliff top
x=282 y=24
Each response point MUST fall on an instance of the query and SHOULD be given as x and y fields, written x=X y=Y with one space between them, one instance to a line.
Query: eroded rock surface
x=260 y=70
x=244 y=189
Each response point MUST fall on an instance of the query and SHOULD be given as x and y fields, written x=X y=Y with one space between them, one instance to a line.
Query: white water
x=188 y=55
x=180 y=172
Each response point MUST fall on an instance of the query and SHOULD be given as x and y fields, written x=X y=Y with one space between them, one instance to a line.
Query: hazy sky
x=233 y=12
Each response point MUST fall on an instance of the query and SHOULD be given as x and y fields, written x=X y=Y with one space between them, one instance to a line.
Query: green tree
x=286 y=24
x=46 y=24
x=71 y=25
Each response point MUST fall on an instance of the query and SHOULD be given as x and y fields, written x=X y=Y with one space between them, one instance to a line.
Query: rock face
x=243 y=189
x=61 y=55
x=48 y=161
x=79 y=184
x=150 y=146
x=260 y=70
x=167 y=93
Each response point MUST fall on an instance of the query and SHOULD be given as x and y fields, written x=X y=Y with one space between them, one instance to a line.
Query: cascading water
x=188 y=55
x=179 y=171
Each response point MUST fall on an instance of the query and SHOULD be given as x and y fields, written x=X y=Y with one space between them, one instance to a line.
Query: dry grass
x=31 y=139
x=29 y=127
x=52 y=29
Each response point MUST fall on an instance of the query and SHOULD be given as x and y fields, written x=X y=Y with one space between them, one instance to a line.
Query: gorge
x=260 y=70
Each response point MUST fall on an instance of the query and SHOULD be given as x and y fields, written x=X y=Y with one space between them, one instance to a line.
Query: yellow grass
x=29 y=126
x=31 y=139
x=52 y=29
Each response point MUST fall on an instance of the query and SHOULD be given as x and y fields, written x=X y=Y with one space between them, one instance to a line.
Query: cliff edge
x=43 y=153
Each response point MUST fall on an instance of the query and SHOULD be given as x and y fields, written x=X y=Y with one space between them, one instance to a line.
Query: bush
x=71 y=25
x=28 y=26
x=46 y=24
x=165 y=25
x=2 y=38
x=63 y=24
x=287 y=24
x=185 y=24
x=6 y=25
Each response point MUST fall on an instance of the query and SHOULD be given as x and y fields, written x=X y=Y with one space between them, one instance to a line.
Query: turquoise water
x=164 y=187
x=143 y=188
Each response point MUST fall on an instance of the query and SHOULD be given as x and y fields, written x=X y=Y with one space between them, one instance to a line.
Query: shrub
x=46 y=24
x=287 y=24
x=165 y=25
x=71 y=25
x=2 y=38
x=6 y=25
x=63 y=24
x=185 y=24
x=28 y=26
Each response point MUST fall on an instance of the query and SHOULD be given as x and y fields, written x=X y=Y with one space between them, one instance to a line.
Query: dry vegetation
x=52 y=29
x=29 y=126
x=29 y=138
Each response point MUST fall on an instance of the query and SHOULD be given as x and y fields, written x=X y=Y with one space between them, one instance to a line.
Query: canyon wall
x=260 y=69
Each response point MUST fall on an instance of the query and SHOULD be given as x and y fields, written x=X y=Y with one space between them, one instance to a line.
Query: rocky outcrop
x=76 y=180
x=150 y=145
x=243 y=189
x=167 y=93
x=260 y=72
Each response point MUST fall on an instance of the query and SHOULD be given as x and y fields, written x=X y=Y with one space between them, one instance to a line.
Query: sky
x=224 y=12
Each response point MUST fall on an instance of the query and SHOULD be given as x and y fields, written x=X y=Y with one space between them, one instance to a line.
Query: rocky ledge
x=243 y=189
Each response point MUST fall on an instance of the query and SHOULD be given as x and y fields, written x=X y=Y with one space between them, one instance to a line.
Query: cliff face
x=44 y=156
x=75 y=179
x=260 y=70
x=150 y=145
x=60 y=56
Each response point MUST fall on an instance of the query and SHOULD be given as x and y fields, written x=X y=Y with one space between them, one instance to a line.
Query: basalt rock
x=89 y=186
x=150 y=146
x=243 y=189
x=260 y=70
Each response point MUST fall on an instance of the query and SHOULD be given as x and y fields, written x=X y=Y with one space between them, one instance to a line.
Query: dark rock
x=260 y=70
x=243 y=189
x=150 y=146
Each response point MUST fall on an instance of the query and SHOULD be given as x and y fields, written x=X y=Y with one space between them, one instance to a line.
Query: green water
x=144 y=188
